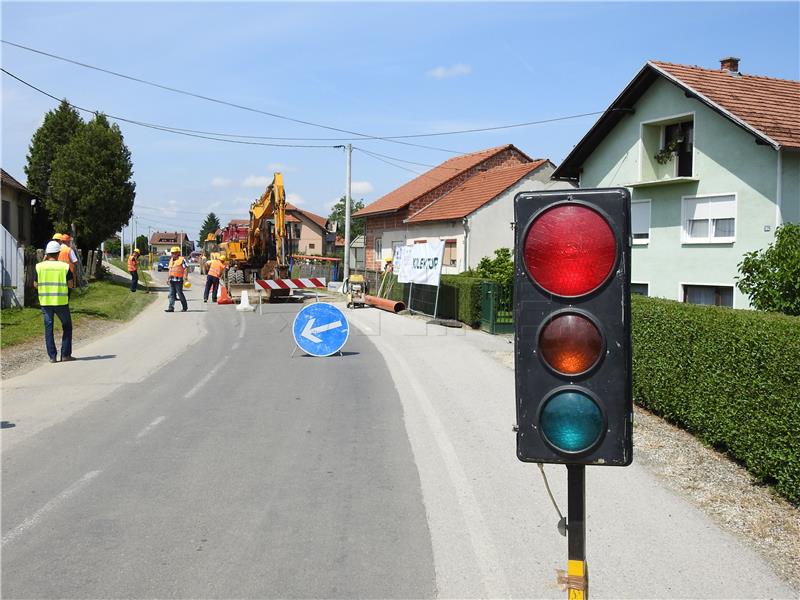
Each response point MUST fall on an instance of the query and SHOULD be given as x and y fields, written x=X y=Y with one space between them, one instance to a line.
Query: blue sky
x=374 y=68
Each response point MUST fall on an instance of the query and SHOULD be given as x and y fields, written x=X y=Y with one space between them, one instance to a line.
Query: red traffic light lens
x=570 y=250
x=570 y=343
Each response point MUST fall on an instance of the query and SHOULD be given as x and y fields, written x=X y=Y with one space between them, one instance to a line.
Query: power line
x=160 y=127
x=223 y=102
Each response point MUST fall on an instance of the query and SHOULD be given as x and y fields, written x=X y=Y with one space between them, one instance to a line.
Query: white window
x=640 y=288
x=713 y=295
x=709 y=219
x=640 y=221
x=378 y=248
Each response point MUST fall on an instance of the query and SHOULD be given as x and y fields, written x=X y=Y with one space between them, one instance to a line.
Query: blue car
x=163 y=263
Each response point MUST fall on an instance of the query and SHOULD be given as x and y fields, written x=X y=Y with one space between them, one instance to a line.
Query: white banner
x=419 y=263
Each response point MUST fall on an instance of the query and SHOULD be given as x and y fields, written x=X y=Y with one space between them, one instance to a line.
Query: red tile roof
x=429 y=181
x=474 y=193
x=239 y=222
x=320 y=221
x=772 y=106
x=170 y=237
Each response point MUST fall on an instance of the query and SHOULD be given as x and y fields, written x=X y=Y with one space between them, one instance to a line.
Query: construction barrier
x=290 y=284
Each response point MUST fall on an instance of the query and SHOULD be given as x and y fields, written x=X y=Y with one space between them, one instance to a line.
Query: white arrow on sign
x=309 y=330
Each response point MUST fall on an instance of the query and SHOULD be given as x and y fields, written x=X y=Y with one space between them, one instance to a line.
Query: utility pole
x=122 y=243
x=347 y=204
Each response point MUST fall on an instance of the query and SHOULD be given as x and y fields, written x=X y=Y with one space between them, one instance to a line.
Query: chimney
x=730 y=64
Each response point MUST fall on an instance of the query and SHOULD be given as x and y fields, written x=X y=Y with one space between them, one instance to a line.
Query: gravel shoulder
x=717 y=485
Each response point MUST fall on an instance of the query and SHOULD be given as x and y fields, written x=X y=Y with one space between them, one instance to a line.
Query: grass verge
x=102 y=300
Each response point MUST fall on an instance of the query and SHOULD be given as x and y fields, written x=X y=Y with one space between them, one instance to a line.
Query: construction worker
x=215 y=267
x=66 y=254
x=133 y=268
x=53 y=279
x=177 y=273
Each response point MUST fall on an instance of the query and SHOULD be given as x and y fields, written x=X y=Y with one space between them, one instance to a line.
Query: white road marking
x=493 y=576
x=242 y=327
x=149 y=428
x=235 y=346
x=34 y=519
x=206 y=379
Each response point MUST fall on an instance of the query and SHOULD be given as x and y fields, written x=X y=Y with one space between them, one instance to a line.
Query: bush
x=771 y=277
x=499 y=269
x=728 y=376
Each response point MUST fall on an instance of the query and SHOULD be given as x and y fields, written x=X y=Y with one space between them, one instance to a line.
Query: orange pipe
x=385 y=304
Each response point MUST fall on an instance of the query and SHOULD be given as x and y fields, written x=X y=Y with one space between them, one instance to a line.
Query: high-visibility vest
x=133 y=263
x=64 y=256
x=215 y=268
x=51 y=283
x=177 y=267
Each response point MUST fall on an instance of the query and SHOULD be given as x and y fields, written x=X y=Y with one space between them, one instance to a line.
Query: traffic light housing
x=572 y=327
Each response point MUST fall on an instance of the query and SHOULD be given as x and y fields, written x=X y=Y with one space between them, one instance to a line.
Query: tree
x=143 y=244
x=90 y=183
x=771 y=277
x=499 y=269
x=59 y=127
x=337 y=216
x=210 y=225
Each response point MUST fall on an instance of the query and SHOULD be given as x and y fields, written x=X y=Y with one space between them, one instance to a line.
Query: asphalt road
x=197 y=458
x=235 y=470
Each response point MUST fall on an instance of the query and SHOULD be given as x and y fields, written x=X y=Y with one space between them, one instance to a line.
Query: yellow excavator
x=263 y=253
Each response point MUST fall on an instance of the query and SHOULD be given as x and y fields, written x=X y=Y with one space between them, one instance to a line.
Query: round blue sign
x=320 y=329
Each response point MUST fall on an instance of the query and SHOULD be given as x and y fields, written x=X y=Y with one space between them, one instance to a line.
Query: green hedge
x=459 y=298
x=731 y=377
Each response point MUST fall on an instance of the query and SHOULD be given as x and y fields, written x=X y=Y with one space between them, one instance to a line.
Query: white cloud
x=257 y=181
x=219 y=182
x=295 y=199
x=361 y=187
x=447 y=72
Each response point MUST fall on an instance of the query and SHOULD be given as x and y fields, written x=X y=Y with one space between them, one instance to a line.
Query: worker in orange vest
x=215 y=269
x=66 y=254
x=177 y=273
x=133 y=268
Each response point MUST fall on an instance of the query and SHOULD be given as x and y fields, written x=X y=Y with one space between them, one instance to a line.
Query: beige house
x=161 y=242
x=309 y=232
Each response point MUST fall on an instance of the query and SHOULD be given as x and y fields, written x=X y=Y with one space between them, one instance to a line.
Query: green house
x=712 y=160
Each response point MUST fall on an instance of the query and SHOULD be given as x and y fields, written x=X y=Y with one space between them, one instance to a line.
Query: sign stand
x=577 y=577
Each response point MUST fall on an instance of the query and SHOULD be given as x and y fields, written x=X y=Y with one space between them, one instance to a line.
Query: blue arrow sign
x=320 y=329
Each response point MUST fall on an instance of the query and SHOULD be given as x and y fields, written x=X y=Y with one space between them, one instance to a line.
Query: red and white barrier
x=290 y=284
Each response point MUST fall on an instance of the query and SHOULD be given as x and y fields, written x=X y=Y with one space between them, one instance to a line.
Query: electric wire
x=223 y=102
x=362 y=137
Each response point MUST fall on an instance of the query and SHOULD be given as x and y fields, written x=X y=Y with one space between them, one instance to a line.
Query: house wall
x=490 y=226
x=310 y=235
x=726 y=161
x=16 y=203
x=443 y=230
x=790 y=196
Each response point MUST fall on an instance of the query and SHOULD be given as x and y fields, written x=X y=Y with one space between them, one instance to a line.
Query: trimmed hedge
x=459 y=298
x=731 y=377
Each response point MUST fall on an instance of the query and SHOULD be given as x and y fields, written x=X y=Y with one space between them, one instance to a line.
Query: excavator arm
x=271 y=204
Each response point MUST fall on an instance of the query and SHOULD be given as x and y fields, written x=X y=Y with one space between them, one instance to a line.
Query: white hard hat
x=53 y=247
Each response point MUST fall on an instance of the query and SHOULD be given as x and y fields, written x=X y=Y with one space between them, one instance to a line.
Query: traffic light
x=572 y=327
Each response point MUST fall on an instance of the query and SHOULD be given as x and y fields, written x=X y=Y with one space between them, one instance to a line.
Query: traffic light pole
x=577 y=579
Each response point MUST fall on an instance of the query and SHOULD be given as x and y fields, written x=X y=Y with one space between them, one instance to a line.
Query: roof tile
x=474 y=193
x=428 y=181
x=769 y=105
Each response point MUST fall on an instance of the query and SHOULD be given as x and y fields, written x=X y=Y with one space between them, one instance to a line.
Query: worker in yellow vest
x=215 y=268
x=133 y=268
x=52 y=280
x=177 y=273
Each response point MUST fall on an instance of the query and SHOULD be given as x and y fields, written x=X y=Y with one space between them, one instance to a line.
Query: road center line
x=235 y=346
x=206 y=379
x=242 y=327
x=149 y=428
x=34 y=519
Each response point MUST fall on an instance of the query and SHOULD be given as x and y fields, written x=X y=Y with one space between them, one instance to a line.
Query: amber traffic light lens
x=570 y=250
x=570 y=343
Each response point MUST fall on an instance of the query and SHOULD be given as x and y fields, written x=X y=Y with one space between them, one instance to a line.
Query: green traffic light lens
x=571 y=421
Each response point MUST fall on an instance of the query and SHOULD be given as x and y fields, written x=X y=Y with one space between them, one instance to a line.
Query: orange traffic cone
x=224 y=297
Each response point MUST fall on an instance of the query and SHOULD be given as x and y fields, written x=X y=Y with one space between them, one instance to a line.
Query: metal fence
x=12 y=267
x=497 y=307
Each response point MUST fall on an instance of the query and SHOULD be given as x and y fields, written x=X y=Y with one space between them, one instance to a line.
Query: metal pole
x=347 y=209
x=410 y=292
x=577 y=576
x=436 y=303
x=122 y=244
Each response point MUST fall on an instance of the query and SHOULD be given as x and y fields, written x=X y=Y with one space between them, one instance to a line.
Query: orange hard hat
x=65 y=237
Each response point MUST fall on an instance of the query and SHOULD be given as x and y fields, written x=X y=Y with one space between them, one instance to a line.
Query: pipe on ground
x=385 y=304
